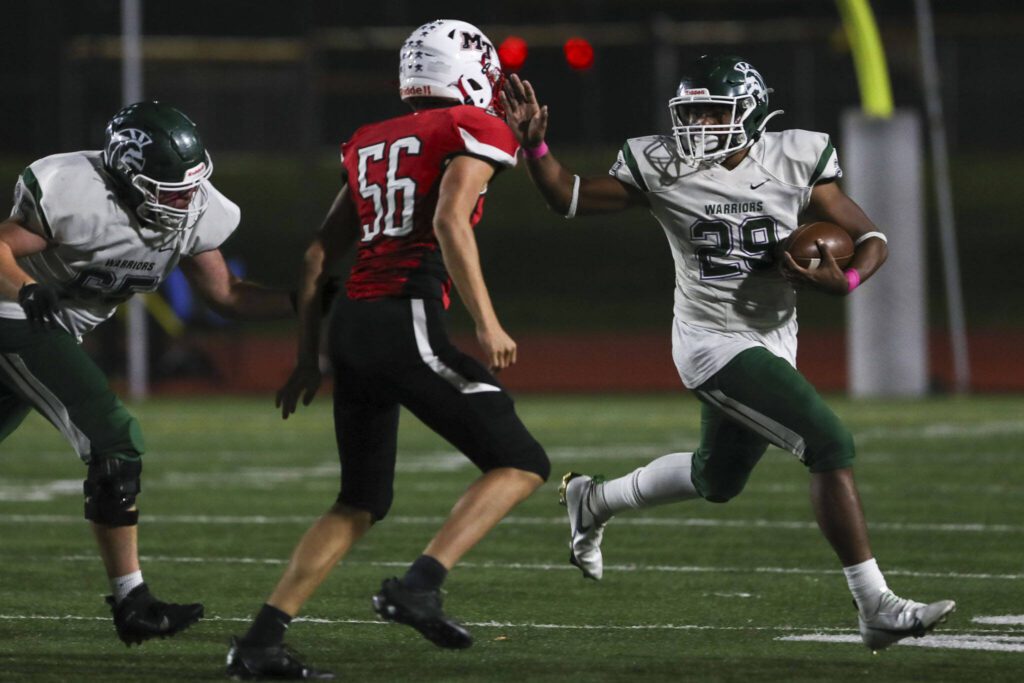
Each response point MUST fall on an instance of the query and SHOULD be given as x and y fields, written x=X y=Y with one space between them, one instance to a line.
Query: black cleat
x=280 y=662
x=421 y=610
x=140 y=616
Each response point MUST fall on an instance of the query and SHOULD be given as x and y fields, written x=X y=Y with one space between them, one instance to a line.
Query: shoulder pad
x=650 y=163
x=218 y=222
x=799 y=157
x=484 y=135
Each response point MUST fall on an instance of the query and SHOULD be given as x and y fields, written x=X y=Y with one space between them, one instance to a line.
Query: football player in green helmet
x=159 y=162
x=88 y=230
x=734 y=94
x=727 y=193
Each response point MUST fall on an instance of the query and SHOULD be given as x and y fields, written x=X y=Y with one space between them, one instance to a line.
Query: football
x=802 y=244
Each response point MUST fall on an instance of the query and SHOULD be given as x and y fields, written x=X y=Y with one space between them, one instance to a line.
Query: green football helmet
x=155 y=155
x=729 y=82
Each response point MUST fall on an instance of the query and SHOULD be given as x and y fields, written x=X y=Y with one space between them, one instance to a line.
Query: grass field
x=696 y=592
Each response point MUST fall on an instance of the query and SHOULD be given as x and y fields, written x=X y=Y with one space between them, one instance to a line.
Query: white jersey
x=100 y=252
x=724 y=227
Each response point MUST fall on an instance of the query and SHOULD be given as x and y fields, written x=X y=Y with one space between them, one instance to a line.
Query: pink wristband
x=852 y=279
x=536 y=152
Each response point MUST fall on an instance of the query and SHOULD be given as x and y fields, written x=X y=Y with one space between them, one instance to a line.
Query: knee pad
x=110 y=489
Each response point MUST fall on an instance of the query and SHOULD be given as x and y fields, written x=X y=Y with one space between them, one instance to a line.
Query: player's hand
x=499 y=348
x=304 y=381
x=40 y=303
x=523 y=114
x=827 y=277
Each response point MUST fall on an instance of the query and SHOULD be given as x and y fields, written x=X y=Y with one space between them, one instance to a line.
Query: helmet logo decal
x=125 y=149
x=752 y=80
x=476 y=42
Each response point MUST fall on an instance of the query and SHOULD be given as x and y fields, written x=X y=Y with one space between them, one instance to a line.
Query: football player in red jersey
x=413 y=192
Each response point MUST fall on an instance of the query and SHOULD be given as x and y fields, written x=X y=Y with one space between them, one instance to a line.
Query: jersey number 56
x=386 y=192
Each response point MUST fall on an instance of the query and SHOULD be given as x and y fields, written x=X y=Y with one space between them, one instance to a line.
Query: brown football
x=802 y=244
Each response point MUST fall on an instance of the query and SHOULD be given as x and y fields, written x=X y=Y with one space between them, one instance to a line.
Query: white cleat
x=585 y=531
x=898 y=618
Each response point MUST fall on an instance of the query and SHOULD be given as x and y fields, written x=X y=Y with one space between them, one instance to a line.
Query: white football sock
x=867 y=585
x=665 y=480
x=121 y=586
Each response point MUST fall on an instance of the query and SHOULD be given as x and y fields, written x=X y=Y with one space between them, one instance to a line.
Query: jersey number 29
x=385 y=193
x=725 y=256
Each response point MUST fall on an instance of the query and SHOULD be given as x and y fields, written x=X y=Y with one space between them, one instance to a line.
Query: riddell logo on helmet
x=416 y=91
x=197 y=170
x=696 y=91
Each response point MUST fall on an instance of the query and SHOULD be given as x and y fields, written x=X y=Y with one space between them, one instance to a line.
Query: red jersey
x=394 y=170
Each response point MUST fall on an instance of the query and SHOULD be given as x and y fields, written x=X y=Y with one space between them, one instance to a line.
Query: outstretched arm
x=564 y=192
x=829 y=203
x=229 y=295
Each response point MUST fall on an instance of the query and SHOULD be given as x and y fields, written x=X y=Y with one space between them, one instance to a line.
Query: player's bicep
x=209 y=275
x=464 y=179
x=828 y=202
x=607 y=195
x=20 y=240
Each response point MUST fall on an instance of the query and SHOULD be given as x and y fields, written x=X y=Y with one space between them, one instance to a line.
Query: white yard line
x=558 y=520
x=967 y=641
x=950 y=640
x=812 y=632
x=1004 y=620
x=562 y=566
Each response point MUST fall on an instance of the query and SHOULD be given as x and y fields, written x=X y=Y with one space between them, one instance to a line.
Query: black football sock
x=268 y=627
x=425 y=574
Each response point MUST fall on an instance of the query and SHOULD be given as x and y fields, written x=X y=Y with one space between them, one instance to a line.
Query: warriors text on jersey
x=100 y=253
x=724 y=227
x=394 y=171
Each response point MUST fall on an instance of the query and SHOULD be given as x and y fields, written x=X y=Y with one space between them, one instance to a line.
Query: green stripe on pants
x=757 y=399
x=50 y=371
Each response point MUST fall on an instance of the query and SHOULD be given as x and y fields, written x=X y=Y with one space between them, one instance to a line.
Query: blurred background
x=276 y=86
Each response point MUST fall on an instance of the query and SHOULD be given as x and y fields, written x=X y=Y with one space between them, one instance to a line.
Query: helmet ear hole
x=473 y=84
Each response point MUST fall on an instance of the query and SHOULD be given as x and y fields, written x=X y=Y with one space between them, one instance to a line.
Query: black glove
x=40 y=303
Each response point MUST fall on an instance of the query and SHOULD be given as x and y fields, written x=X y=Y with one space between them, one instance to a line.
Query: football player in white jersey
x=727 y=193
x=87 y=231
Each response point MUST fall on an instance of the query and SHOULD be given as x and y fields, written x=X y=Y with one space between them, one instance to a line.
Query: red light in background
x=578 y=53
x=512 y=53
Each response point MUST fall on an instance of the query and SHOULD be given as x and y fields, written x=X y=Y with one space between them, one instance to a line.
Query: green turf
x=694 y=592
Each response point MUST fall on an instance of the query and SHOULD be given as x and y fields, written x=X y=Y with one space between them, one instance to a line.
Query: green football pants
x=49 y=371
x=755 y=400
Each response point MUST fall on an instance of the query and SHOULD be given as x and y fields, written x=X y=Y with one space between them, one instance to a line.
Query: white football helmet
x=450 y=59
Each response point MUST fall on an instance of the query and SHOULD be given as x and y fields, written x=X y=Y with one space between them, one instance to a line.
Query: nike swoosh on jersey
x=754 y=187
